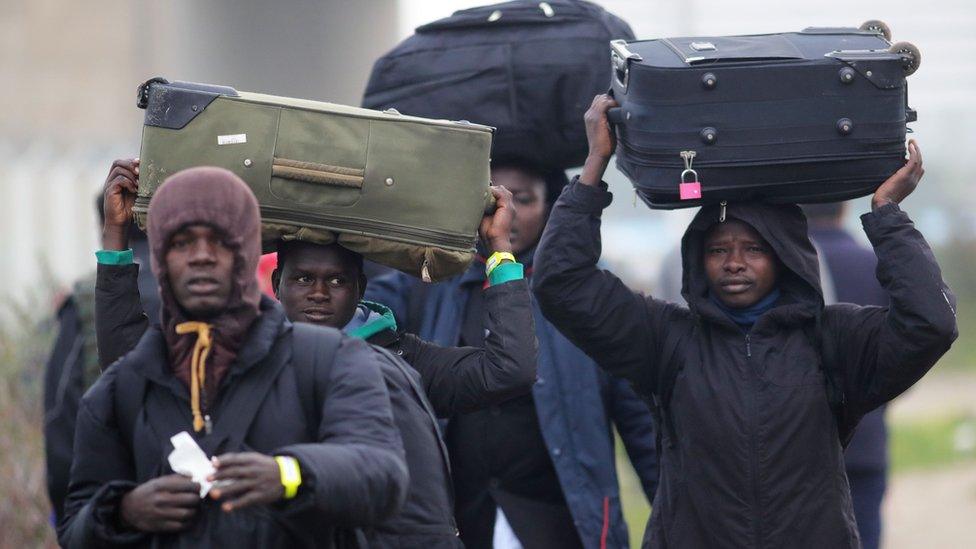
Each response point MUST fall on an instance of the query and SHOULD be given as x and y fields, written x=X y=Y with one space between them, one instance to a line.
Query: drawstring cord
x=198 y=365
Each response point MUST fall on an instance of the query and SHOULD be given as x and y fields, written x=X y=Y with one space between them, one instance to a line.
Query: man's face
x=740 y=266
x=201 y=270
x=318 y=284
x=529 y=192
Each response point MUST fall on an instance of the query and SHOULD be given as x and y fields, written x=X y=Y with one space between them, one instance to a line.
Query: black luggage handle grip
x=616 y=116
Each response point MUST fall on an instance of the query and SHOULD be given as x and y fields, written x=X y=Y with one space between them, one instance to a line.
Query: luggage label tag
x=689 y=188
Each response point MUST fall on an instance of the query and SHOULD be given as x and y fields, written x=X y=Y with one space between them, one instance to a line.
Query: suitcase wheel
x=877 y=27
x=911 y=57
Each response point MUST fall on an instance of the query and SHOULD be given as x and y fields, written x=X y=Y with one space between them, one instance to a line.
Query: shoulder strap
x=312 y=355
x=128 y=403
x=416 y=299
x=834 y=381
x=660 y=402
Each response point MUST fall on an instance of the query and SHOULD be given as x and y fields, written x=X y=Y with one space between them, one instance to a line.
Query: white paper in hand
x=188 y=459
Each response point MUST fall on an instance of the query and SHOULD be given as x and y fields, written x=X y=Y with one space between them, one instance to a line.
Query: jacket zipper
x=755 y=449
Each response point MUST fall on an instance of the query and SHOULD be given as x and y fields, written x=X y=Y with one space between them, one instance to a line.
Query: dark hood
x=784 y=227
x=219 y=198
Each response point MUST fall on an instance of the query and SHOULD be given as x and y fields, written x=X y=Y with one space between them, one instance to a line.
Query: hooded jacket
x=753 y=457
x=352 y=460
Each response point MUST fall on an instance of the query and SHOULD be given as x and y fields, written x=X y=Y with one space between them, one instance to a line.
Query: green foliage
x=26 y=337
x=632 y=499
x=932 y=443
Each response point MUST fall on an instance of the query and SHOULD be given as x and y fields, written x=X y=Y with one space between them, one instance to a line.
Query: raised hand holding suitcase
x=814 y=116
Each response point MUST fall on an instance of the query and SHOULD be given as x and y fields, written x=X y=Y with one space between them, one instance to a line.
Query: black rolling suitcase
x=814 y=116
x=528 y=68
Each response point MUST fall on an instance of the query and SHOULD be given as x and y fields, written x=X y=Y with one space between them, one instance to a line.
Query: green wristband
x=506 y=272
x=114 y=257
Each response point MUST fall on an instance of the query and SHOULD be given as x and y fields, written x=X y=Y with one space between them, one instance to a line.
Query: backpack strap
x=834 y=380
x=416 y=299
x=129 y=403
x=660 y=401
x=313 y=351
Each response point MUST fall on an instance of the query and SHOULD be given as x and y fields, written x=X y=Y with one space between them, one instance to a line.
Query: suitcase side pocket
x=319 y=160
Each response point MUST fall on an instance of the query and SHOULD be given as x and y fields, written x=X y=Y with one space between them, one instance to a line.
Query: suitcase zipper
x=639 y=157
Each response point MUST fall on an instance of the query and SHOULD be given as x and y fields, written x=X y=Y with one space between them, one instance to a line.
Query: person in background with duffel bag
x=324 y=285
x=758 y=385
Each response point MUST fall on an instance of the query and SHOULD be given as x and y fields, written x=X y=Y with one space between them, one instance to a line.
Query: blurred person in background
x=73 y=364
x=851 y=268
x=538 y=470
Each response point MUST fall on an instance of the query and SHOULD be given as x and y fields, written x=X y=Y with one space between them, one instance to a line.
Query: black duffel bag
x=530 y=69
x=814 y=116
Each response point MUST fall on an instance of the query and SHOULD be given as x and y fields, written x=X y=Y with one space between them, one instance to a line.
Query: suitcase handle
x=490 y=203
x=616 y=116
x=620 y=58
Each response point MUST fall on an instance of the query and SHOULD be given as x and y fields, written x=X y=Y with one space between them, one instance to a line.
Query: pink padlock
x=689 y=190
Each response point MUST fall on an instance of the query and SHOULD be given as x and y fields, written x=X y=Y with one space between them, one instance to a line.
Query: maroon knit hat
x=220 y=199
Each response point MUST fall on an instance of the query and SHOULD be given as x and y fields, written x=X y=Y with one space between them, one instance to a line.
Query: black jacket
x=755 y=458
x=851 y=267
x=73 y=366
x=352 y=461
x=424 y=380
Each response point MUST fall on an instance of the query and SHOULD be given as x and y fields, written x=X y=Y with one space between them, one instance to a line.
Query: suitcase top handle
x=173 y=105
x=732 y=48
x=620 y=57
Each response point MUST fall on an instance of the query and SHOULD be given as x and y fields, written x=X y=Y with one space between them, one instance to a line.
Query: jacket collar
x=379 y=318
x=151 y=357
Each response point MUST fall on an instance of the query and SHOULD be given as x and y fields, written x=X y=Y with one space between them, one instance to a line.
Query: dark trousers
x=867 y=491
x=537 y=525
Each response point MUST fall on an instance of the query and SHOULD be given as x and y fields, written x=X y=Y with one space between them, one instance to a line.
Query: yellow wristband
x=291 y=475
x=496 y=260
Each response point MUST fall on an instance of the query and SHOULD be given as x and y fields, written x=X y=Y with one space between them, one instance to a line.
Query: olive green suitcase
x=403 y=191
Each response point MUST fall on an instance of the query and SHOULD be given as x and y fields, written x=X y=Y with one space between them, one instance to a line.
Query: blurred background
x=69 y=75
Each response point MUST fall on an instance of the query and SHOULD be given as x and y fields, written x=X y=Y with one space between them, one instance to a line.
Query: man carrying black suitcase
x=757 y=384
x=323 y=285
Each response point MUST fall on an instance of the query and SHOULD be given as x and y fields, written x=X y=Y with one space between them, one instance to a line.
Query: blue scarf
x=747 y=316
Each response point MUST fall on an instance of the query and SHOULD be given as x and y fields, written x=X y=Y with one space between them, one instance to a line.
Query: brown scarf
x=201 y=353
